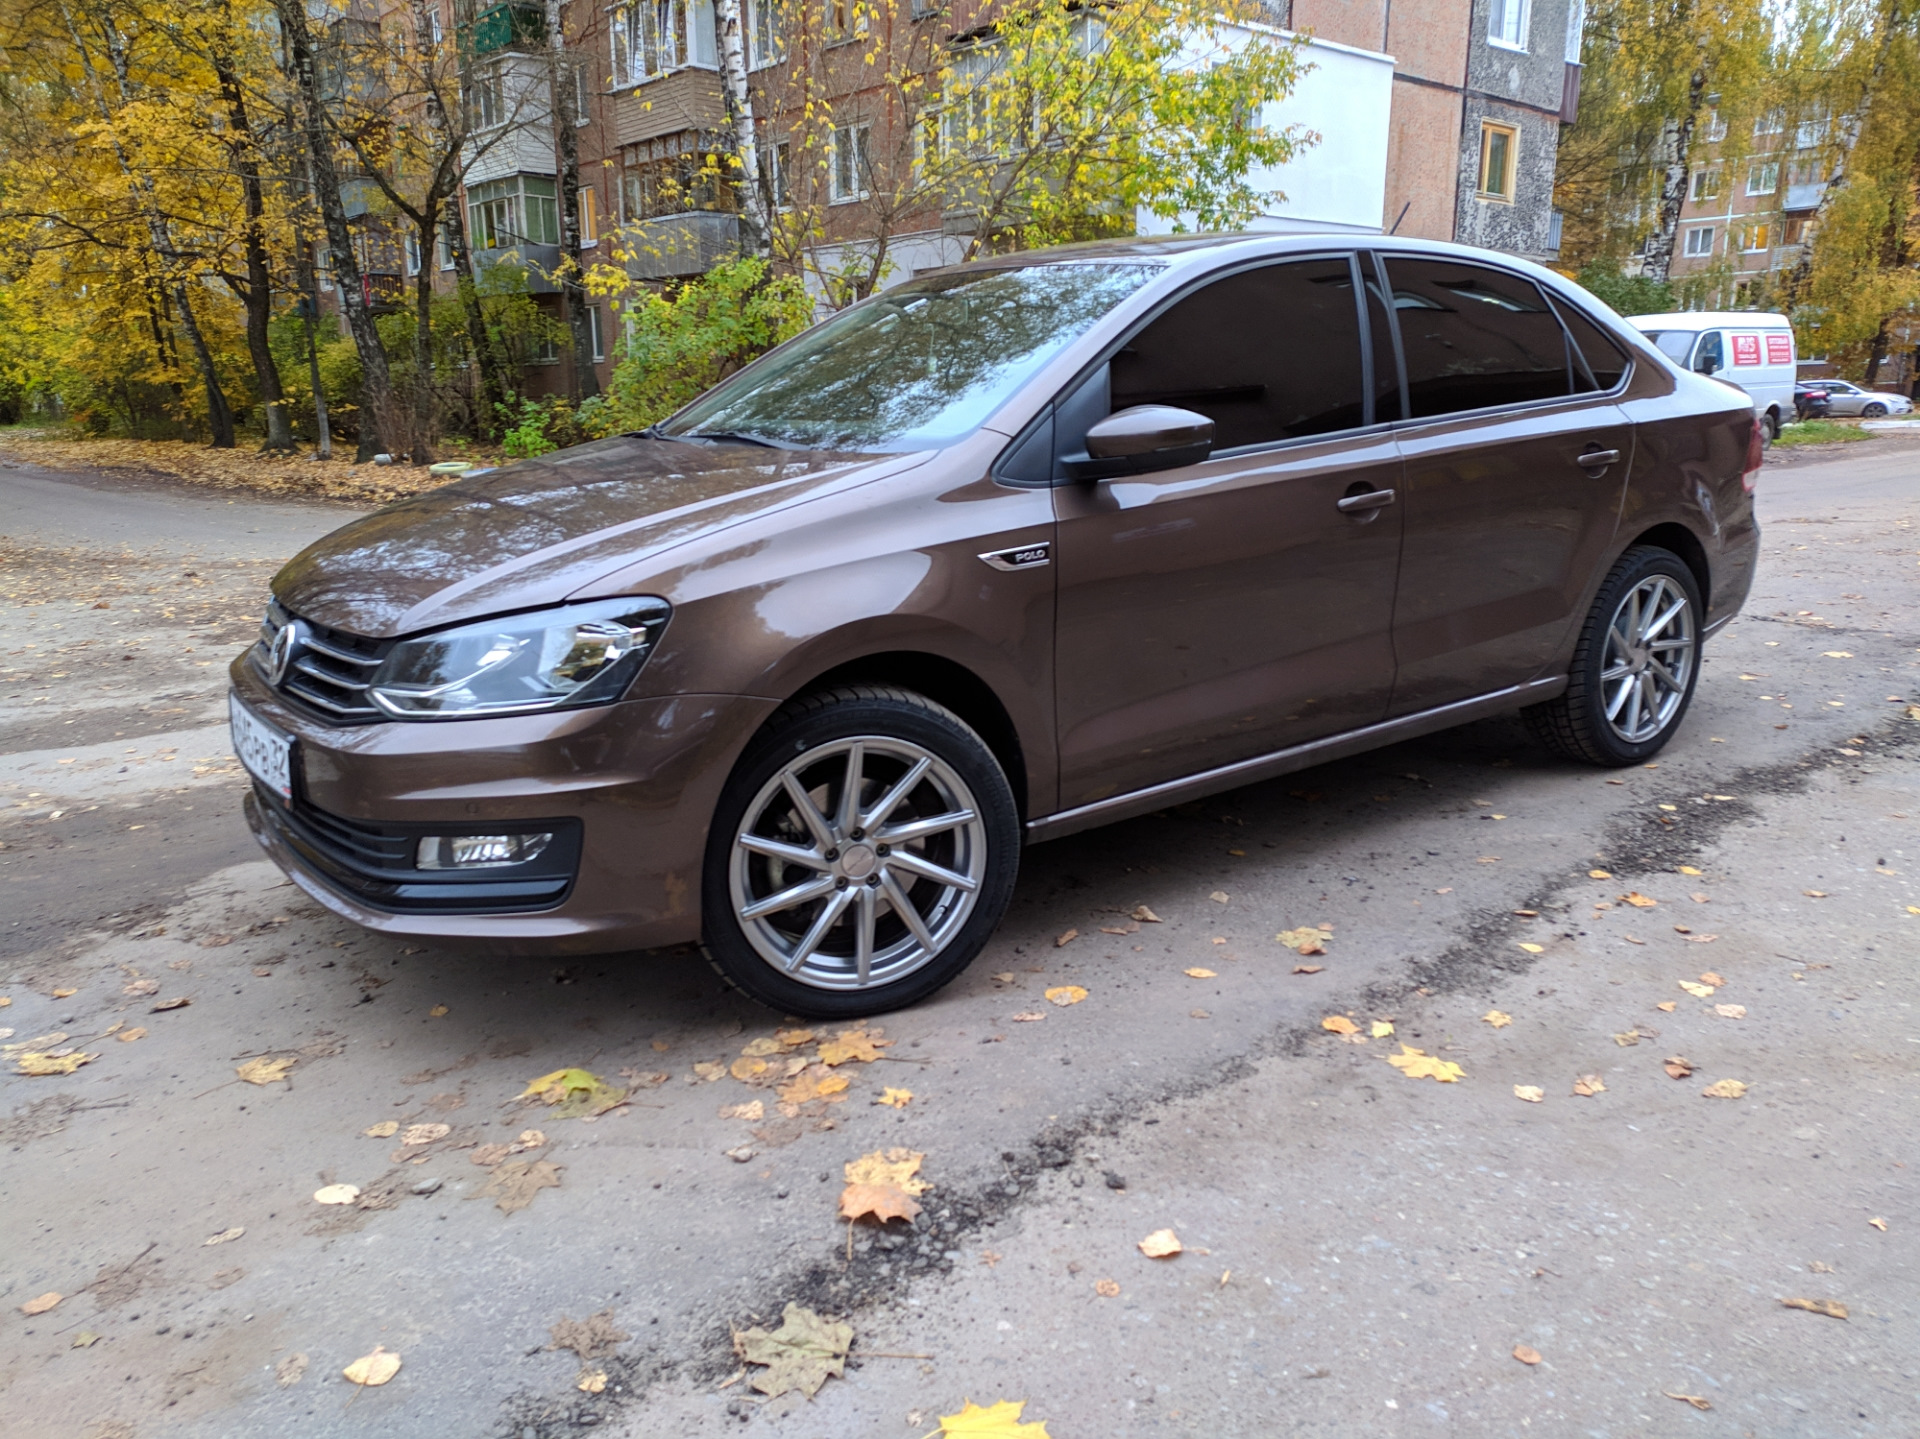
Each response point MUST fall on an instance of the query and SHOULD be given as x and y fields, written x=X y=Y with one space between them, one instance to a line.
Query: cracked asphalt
x=1363 y=1252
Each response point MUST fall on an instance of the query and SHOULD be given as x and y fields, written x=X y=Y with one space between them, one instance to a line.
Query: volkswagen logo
x=283 y=650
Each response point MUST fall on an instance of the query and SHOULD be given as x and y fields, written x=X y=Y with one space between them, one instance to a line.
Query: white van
x=1750 y=351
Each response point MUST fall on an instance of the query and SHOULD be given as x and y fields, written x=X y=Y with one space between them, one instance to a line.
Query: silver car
x=1848 y=399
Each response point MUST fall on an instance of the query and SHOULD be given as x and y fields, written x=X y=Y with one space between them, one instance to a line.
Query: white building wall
x=523 y=144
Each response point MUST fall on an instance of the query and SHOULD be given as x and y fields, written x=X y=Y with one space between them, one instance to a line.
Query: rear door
x=1516 y=465
x=1218 y=611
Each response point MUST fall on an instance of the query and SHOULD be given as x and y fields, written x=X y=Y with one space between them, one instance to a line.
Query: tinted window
x=1674 y=344
x=1268 y=354
x=1386 y=372
x=1598 y=361
x=1475 y=337
x=920 y=365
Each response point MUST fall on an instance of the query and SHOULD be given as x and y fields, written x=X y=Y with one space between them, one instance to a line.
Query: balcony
x=504 y=27
x=676 y=246
x=383 y=291
x=1804 y=197
x=537 y=262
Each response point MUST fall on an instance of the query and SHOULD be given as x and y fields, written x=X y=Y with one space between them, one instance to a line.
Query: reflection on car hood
x=533 y=532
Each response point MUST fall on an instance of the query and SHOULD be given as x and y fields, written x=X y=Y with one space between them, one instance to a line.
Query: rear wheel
x=1770 y=426
x=1635 y=665
x=862 y=853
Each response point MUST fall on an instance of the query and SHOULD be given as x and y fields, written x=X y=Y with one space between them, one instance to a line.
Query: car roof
x=1709 y=320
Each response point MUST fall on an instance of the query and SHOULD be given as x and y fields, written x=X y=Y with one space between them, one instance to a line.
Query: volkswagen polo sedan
x=1007 y=551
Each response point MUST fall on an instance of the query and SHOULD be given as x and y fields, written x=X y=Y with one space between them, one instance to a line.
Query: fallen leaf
x=1308 y=968
x=265 y=1071
x=1588 y=1085
x=573 y=1093
x=815 y=1082
x=1526 y=1354
x=1068 y=938
x=1832 y=1308
x=336 y=1194
x=1730 y=1011
x=1029 y=1016
x=513 y=1185
x=801 y=1354
x=1630 y=1038
x=141 y=986
x=1533 y=948
x=1837 y=654
x=1005 y=976
x=1418 y=1064
x=1065 y=994
x=877 y=1201
x=794 y=1038
x=1161 y=1244
x=1701 y=938
x=1815 y=893
x=1598 y=874
x=42 y=1304
x=1698 y=991
x=1201 y=974
x=85 y=1339
x=898 y=1167
x=1879 y=1224
x=1668 y=1005
x=130 y=1035
x=385 y=1129
x=1339 y=1024
x=747 y=1068
x=373 y=1369
x=164 y=1005
x=418 y=1134
x=1107 y=1288
x=529 y=1139
x=65 y=993
x=225 y=1236
x=1725 y=1089
x=1532 y=1093
x=753 y=1109
x=1687 y=869
x=1497 y=1018
x=895 y=1098
x=1694 y=1399
x=1381 y=1028
x=709 y=1071
x=1678 y=1066
x=1711 y=978
x=288 y=1371
x=591 y=1381
x=439 y=1011
x=1304 y=940
x=44 y=1064
x=1002 y=1421
x=589 y=1338
x=1145 y=915
x=488 y=1155
x=762 y=1047
x=863 y=1045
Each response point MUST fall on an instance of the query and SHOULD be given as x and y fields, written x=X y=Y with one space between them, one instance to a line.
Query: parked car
x=1753 y=352
x=1848 y=399
x=1809 y=401
x=1007 y=551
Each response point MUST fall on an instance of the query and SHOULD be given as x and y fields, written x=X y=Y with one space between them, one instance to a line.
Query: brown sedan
x=1005 y=552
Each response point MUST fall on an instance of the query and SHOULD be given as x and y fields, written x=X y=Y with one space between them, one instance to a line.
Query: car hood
x=533 y=532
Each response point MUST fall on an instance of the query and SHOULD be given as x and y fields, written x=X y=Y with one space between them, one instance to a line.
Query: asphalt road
x=1364 y=1251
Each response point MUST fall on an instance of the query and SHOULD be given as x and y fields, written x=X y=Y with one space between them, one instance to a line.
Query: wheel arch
x=1684 y=543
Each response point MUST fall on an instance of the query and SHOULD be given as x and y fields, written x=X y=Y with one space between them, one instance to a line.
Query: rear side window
x=1269 y=354
x=1597 y=361
x=1475 y=337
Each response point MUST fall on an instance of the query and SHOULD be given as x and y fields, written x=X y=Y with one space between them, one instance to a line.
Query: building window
x=1499 y=148
x=413 y=254
x=1699 y=241
x=487 y=96
x=846 y=20
x=1507 y=24
x=1756 y=237
x=669 y=176
x=1576 y=30
x=1794 y=230
x=582 y=92
x=596 y=327
x=589 y=215
x=1763 y=179
x=852 y=170
x=1771 y=123
x=651 y=37
x=776 y=160
x=518 y=210
x=1716 y=125
x=1706 y=184
x=765 y=44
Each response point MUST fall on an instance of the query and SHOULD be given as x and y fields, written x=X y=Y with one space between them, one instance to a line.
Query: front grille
x=330 y=671
x=374 y=862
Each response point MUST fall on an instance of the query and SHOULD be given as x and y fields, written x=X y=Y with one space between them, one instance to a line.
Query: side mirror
x=1706 y=364
x=1141 y=439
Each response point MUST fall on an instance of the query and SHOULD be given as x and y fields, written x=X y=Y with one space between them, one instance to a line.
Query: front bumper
x=628 y=789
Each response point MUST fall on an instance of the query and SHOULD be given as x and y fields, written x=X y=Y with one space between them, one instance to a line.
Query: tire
x=1770 y=427
x=1873 y=411
x=1647 y=687
x=842 y=885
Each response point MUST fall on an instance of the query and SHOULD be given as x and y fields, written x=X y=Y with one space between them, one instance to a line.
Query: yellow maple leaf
x=1418 y=1064
x=264 y=1070
x=898 y=1167
x=861 y=1044
x=1339 y=1024
x=1002 y=1421
x=1065 y=994
x=1497 y=1018
x=895 y=1098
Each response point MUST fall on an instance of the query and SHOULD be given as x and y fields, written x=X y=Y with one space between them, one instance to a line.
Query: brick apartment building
x=1438 y=118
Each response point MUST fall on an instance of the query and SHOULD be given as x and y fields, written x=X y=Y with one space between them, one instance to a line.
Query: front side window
x=1499 y=147
x=1507 y=23
x=1475 y=337
x=918 y=366
x=1709 y=355
x=1268 y=354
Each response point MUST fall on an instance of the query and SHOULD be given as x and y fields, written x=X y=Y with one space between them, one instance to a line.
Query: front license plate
x=264 y=750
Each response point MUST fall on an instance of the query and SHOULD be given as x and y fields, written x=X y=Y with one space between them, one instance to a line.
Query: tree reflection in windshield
x=921 y=365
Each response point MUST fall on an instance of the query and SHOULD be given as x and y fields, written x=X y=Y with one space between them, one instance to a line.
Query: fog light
x=479 y=851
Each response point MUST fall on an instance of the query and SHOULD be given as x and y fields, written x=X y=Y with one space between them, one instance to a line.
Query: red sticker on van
x=1746 y=349
x=1779 y=349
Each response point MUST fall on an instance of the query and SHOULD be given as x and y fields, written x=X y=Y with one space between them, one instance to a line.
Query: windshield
x=919 y=366
x=1674 y=344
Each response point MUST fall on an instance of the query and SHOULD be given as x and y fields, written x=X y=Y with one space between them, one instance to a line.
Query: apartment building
x=1744 y=220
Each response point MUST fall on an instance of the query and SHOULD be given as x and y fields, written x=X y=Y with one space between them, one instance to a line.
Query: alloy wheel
x=1649 y=659
x=857 y=863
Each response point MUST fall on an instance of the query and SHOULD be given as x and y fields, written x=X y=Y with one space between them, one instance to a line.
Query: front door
x=1218 y=611
x=1513 y=484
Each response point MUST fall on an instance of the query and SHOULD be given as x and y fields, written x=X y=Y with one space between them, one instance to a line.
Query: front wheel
x=1873 y=411
x=861 y=855
x=1770 y=426
x=1634 y=667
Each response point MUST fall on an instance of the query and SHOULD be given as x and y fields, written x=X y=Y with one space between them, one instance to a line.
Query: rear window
x=1597 y=360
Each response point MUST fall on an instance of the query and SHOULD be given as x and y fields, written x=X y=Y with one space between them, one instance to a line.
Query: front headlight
x=552 y=659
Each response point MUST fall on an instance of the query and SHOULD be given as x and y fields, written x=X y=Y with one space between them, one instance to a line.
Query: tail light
x=1756 y=457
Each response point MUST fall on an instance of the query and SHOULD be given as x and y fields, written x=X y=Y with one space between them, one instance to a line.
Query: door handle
x=1597 y=459
x=1365 y=500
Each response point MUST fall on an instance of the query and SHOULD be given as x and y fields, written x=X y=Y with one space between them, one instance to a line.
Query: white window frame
x=597 y=329
x=766 y=44
x=1508 y=22
x=1763 y=231
x=1763 y=177
x=1696 y=247
x=1576 y=30
x=1699 y=188
x=1771 y=122
x=857 y=165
